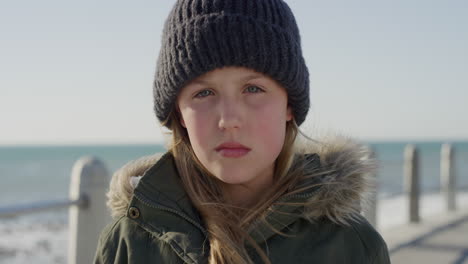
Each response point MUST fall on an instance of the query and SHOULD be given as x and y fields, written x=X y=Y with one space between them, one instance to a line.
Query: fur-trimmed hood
x=346 y=165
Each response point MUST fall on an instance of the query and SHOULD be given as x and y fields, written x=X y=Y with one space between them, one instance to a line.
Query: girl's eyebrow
x=244 y=79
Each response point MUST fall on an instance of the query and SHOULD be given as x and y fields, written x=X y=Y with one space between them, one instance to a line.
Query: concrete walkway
x=442 y=239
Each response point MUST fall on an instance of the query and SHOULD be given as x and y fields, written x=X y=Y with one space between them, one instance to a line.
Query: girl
x=237 y=185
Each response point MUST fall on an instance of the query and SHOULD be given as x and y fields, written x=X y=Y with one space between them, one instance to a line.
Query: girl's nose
x=230 y=116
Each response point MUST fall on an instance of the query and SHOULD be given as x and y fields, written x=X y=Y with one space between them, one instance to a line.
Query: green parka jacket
x=155 y=221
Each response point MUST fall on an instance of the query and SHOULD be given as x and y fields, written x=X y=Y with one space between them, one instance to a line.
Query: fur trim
x=124 y=181
x=348 y=179
x=349 y=170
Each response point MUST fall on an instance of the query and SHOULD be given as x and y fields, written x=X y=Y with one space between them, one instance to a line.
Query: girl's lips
x=231 y=145
x=233 y=152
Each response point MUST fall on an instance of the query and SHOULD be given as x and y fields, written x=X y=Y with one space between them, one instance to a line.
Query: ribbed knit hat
x=202 y=35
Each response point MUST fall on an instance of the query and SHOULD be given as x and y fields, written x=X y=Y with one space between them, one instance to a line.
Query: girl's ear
x=289 y=114
x=182 y=122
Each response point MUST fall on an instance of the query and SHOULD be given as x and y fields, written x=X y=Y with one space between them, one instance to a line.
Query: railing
x=411 y=179
x=87 y=210
x=17 y=210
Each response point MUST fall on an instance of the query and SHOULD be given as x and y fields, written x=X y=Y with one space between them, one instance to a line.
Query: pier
x=441 y=239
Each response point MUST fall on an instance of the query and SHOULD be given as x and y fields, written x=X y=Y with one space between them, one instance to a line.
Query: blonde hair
x=225 y=223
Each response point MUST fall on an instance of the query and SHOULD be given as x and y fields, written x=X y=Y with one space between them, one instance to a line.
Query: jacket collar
x=342 y=166
x=160 y=186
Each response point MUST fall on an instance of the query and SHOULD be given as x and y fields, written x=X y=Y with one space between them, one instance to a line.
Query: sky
x=81 y=72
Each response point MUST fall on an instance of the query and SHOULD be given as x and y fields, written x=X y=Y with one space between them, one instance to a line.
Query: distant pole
x=89 y=179
x=370 y=210
x=411 y=173
x=447 y=176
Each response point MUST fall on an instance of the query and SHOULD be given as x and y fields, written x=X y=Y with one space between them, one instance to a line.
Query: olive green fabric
x=160 y=225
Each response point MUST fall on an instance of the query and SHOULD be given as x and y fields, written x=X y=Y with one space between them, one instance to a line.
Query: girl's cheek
x=264 y=105
x=203 y=106
x=257 y=101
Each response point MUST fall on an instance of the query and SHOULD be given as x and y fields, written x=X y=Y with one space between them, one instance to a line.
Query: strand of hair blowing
x=227 y=224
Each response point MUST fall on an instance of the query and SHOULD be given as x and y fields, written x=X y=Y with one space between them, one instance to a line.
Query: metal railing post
x=411 y=181
x=90 y=178
x=447 y=176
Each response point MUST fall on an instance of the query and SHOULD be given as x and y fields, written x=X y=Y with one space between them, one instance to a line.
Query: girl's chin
x=233 y=179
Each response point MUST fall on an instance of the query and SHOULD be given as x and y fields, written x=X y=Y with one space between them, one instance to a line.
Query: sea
x=39 y=173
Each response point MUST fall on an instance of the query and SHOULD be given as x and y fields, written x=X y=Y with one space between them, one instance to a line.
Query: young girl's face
x=245 y=110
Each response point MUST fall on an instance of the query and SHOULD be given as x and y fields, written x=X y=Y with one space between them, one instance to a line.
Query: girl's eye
x=249 y=89
x=254 y=89
x=203 y=93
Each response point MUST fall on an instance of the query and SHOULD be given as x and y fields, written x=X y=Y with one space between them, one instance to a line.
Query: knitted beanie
x=202 y=35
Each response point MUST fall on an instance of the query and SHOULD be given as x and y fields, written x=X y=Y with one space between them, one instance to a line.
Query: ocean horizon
x=43 y=172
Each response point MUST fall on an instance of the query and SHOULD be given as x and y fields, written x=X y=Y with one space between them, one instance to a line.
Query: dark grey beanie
x=202 y=35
